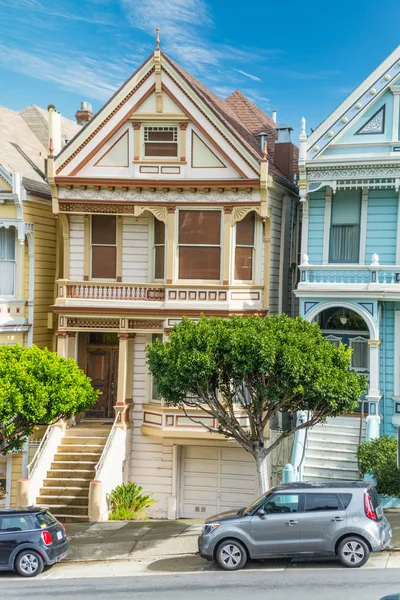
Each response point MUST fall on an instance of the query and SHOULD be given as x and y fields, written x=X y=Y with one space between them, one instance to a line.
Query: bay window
x=199 y=244
x=8 y=264
x=344 y=243
x=104 y=247
x=244 y=250
x=159 y=249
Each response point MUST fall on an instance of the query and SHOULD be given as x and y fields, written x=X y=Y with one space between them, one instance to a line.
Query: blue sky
x=301 y=58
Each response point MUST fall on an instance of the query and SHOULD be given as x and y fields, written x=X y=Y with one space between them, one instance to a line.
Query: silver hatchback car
x=300 y=519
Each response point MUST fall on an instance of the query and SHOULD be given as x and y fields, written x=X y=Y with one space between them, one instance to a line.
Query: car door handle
x=291 y=523
x=338 y=519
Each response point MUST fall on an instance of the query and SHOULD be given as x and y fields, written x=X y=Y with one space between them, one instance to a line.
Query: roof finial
x=157 y=38
x=265 y=150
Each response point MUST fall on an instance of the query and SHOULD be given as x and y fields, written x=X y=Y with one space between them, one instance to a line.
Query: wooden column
x=226 y=268
x=62 y=343
x=136 y=140
x=182 y=141
x=267 y=262
x=71 y=345
x=66 y=246
x=170 y=243
x=86 y=248
x=122 y=368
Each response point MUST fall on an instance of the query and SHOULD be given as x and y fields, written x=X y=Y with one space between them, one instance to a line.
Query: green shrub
x=2 y=492
x=379 y=457
x=128 y=502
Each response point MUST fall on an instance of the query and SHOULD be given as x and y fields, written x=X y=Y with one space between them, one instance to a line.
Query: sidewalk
x=148 y=540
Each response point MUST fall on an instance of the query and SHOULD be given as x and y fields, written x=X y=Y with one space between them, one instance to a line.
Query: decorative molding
x=369 y=306
x=160 y=212
x=309 y=305
x=355 y=172
x=145 y=324
x=240 y=212
x=82 y=323
x=371 y=343
x=375 y=125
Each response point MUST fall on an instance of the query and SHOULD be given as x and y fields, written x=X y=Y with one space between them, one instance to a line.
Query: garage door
x=215 y=479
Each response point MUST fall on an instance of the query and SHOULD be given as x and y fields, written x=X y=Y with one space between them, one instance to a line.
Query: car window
x=10 y=523
x=374 y=497
x=256 y=503
x=45 y=519
x=282 y=503
x=319 y=502
x=346 y=499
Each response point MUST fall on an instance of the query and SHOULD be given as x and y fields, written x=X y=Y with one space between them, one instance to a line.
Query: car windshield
x=256 y=503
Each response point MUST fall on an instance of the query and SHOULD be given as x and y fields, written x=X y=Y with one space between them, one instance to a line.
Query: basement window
x=160 y=142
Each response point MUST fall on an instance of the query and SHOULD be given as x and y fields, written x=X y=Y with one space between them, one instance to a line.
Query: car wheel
x=231 y=555
x=29 y=563
x=353 y=552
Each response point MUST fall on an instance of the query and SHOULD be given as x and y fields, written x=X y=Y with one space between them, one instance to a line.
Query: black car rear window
x=12 y=523
x=372 y=493
x=319 y=502
x=346 y=499
x=45 y=519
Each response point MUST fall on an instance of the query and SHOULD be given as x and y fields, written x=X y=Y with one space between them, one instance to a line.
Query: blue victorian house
x=350 y=258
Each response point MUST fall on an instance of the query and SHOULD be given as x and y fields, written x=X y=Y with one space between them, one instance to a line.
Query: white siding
x=151 y=458
x=76 y=247
x=135 y=250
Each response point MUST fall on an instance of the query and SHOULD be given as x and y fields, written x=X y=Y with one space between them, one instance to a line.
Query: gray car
x=343 y=519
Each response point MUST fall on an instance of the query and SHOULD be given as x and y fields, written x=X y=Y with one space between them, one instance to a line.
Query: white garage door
x=215 y=479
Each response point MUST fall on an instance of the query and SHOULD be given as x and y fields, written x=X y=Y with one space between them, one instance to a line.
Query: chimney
x=84 y=114
x=263 y=138
x=274 y=116
x=54 y=130
x=284 y=149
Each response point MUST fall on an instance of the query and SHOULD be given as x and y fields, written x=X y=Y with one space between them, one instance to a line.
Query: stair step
x=332 y=463
x=77 y=456
x=72 y=464
x=84 y=441
x=65 y=518
x=80 y=449
x=71 y=474
x=63 y=500
x=68 y=509
x=61 y=481
x=67 y=490
x=311 y=473
x=88 y=432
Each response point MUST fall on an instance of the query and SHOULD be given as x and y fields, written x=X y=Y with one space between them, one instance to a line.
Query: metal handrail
x=39 y=451
x=108 y=443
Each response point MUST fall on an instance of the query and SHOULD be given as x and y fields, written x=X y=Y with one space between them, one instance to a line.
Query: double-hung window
x=160 y=141
x=159 y=249
x=244 y=251
x=199 y=244
x=104 y=247
x=344 y=243
x=360 y=355
x=8 y=265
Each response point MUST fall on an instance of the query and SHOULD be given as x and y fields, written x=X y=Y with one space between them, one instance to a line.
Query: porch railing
x=111 y=291
x=350 y=275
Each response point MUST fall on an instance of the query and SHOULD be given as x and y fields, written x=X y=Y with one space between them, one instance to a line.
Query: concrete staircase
x=331 y=450
x=65 y=490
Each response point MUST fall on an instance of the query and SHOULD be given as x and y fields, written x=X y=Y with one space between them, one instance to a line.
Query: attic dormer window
x=160 y=142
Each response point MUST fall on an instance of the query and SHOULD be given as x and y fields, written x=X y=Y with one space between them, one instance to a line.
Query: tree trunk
x=262 y=472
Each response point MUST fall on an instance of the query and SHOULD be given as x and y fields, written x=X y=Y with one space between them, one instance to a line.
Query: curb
x=129 y=558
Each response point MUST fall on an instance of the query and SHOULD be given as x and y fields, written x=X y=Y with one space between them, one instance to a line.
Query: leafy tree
x=37 y=387
x=259 y=365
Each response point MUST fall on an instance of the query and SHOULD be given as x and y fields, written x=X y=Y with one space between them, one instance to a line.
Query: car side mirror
x=261 y=512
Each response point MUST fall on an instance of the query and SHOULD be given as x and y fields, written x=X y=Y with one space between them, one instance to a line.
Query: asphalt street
x=311 y=584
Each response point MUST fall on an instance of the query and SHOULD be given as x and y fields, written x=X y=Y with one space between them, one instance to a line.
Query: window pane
x=103 y=229
x=199 y=227
x=159 y=232
x=160 y=136
x=7 y=278
x=7 y=243
x=159 y=262
x=245 y=231
x=104 y=261
x=158 y=149
x=359 y=358
x=345 y=498
x=244 y=263
x=45 y=519
x=344 y=243
x=282 y=503
x=196 y=262
x=318 y=502
x=346 y=207
x=11 y=523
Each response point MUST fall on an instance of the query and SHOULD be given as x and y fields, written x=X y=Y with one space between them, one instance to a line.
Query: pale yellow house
x=28 y=246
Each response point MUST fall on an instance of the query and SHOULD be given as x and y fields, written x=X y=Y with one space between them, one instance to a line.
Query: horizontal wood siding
x=40 y=214
x=135 y=250
x=387 y=367
x=76 y=253
x=382 y=226
x=316 y=227
x=275 y=200
x=151 y=458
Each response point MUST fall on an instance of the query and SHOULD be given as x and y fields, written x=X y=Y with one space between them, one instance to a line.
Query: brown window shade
x=245 y=231
x=244 y=263
x=104 y=262
x=103 y=229
x=162 y=149
x=199 y=227
x=159 y=232
x=160 y=136
x=197 y=262
x=159 y=262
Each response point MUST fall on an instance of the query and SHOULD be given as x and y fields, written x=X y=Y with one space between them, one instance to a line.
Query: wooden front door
x=102 y=368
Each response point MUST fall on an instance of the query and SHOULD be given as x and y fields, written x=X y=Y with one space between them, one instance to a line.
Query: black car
x=30 y=538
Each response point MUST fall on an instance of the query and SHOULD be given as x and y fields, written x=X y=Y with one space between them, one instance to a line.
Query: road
x=318 y=583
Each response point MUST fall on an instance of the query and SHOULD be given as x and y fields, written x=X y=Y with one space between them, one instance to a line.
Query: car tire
x=353 y=552
x=29 y=563
x=231 y=555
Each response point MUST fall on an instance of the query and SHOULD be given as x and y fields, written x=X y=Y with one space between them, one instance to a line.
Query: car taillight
x=369 y=511
x=47 y=538
x=63 y=526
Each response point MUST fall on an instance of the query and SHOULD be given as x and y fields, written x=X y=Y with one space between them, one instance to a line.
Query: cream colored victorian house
x=27 y=246
x=170 y=205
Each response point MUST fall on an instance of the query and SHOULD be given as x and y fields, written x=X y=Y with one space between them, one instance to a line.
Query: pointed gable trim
x=105 y=121
x=219 y=165
x=110 y=134
x=362 y=97
x=374 y=125
x=113 y=148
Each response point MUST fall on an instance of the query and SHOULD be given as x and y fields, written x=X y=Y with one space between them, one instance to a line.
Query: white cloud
x=253 y=77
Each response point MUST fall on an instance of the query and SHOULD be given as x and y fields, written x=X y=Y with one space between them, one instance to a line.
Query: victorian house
x=172 y=202
x=350 y=272
x=27 y=246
